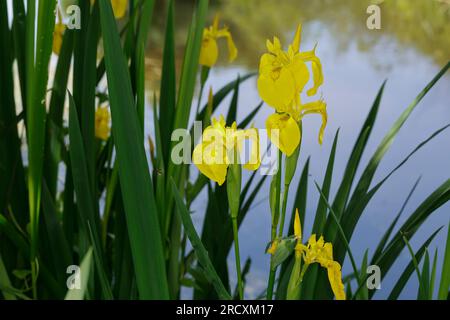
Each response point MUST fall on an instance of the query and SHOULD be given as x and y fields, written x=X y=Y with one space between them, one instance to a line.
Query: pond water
x=411 y=47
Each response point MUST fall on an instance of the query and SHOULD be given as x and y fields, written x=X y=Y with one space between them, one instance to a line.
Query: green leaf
x=389 y=231
x=222 y=94
x=300 y=198
x=54 y=141
x=5 y=282
x=85 y=269
x=136 y=185
x=432 y=276
x=351 y=217
x=168 y=83
x=59 y=248
x=393 y=249
x=85 y=196
x=248 y=119
x=232 y=110
x=364 y=293
x=284 y=249
x=445 y=277
x=37 y=76
x=200 y=250
x=352 y=165
x=321 y=212
x=406 y=274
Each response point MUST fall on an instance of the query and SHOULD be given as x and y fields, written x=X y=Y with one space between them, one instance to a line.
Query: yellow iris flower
x=319 y=251
x=119 y=7
x=102 y=123
x=316 y=251
x=214 y=154
x=210 y=50
x=283 y=76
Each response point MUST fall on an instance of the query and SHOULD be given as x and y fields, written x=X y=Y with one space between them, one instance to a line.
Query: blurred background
x=411 y=47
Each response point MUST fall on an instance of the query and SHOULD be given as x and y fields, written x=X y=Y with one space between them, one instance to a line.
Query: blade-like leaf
x=445 y=277
x=136 y=185
x=200 y=250
x=406 y=274
x=85 y=268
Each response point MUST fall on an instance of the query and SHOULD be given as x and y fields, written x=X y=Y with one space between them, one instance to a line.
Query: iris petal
x=284 y=132
x=316 y=65
x=209 y=52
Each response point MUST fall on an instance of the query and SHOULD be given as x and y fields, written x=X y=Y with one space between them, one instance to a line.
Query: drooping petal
x=284 y=132
x=209 y=51
x=316 y=107
x=232 y=50
x=205 y=158
x=316 y=65
x=335 y=279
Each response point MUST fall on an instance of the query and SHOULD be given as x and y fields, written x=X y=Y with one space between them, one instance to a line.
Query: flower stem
x=283 y=210
x=203 y=78
x=271 y=283
x=238 y=259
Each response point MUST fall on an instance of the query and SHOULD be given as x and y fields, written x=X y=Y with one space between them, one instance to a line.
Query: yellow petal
x=205 y=160
x=58 y=37
x=102 y=123
x=310 y=56
x=274 y=47
x=209 y=52
x=255 y=158
x=335 y=278
x=267 y=65
x=300 y=73
x=215 y=25
x=273 y=247
x=297 y=39
x=297 y=226
x=284 y=132
x=317 y=107
x=119 y=8
x=278 y=89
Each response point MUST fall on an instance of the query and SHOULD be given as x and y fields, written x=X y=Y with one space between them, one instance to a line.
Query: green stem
x=283 y=210
x=203 y=78
x=202 y=87
x=270 y=285
x=238 y=259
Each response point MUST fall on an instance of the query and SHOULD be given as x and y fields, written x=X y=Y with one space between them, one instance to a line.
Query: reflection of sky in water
x=352 y=81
